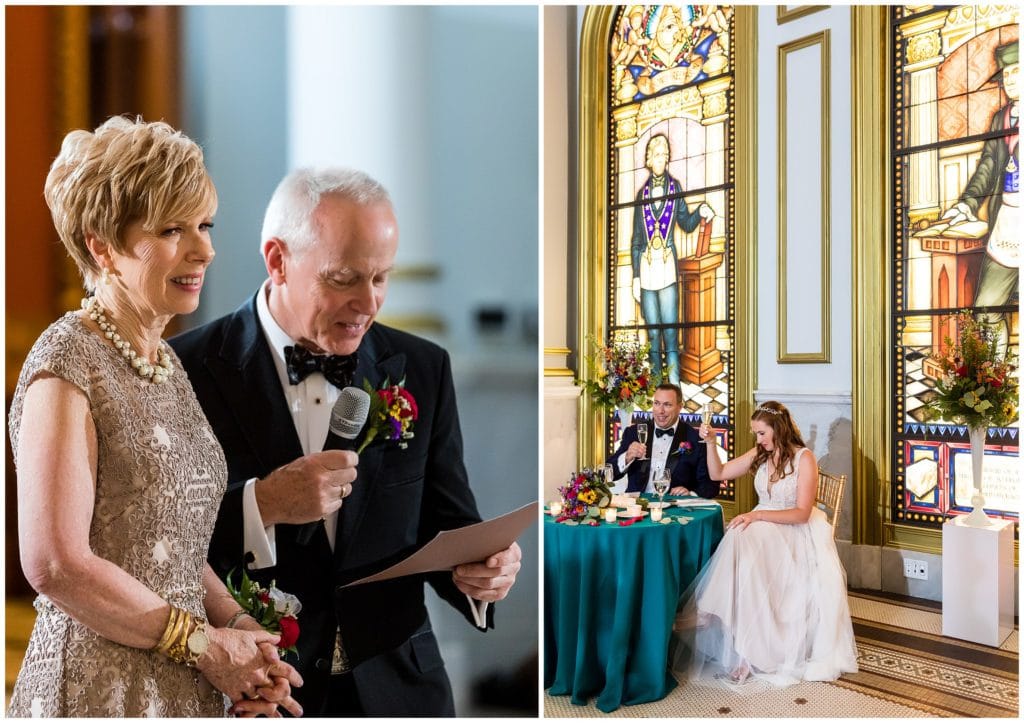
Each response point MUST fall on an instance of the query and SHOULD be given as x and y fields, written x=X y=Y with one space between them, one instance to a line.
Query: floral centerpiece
x=584 y=495
x=275 y=610
x=621 y=375
x=977 y=388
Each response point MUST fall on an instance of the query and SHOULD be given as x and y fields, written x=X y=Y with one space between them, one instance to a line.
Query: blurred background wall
x=439 y=103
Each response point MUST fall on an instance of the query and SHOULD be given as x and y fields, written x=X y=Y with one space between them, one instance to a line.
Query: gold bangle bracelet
x=166 y=638
x=177 y=650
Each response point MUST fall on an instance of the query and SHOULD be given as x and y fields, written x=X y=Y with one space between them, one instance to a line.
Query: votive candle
x=656 y=514
x=609 y=514
x=555 y=508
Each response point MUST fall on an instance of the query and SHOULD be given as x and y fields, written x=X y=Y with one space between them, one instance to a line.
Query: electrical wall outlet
x=917 y=569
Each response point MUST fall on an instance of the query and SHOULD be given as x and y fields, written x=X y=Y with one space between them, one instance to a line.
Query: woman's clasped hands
x=245 y=666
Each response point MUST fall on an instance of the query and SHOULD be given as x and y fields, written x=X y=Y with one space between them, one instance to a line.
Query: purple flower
x=685 y=447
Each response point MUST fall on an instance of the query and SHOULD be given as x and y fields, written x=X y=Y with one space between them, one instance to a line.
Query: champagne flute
x=705 y=418
x=641 y=435
x=662 y=479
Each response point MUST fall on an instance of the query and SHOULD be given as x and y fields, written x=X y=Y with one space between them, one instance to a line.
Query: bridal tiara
x=767 y=410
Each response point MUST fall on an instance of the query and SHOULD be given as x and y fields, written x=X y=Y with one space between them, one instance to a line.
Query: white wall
x=818 y=394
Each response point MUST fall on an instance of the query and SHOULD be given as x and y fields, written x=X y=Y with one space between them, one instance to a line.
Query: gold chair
x=830 y=496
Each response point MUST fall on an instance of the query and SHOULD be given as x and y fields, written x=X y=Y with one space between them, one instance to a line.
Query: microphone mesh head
x=350 y=412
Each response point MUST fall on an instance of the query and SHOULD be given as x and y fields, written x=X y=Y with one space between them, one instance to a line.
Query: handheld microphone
x=347 y=419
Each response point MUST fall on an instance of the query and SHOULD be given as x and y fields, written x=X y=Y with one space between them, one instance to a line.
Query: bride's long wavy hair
x=787 y=438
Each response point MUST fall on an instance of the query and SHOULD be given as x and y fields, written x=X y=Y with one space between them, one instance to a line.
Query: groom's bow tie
x=659 y=432
x=301 y=362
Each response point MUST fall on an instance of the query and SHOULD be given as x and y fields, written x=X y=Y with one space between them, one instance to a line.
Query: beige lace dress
x=159 y=480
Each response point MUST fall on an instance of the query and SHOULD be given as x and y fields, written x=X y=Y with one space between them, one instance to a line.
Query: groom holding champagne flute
x=671 y=446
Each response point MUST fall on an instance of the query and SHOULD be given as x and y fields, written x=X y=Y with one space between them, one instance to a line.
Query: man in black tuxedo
x=673 y=446
x=267 y=377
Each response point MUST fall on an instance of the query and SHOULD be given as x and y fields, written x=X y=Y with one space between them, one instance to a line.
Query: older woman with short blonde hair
x=119 y=474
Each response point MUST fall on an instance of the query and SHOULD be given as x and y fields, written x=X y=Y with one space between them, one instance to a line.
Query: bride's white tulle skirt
x=772 y=600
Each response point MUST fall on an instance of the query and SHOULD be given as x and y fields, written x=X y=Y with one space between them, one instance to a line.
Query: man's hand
x=636 y=289
x=490 y=579
x=308 y=489
x=960 y=213
x=705 y=212
x=679 y=491
x=635 y=451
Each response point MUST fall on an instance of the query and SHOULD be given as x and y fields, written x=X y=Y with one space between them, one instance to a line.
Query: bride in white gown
x=771 y=603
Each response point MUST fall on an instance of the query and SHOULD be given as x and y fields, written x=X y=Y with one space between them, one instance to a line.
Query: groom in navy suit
x=267 y=377
x=671 y=444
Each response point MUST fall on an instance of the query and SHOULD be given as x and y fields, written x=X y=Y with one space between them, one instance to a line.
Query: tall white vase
x=977 y=516
x=625 y=415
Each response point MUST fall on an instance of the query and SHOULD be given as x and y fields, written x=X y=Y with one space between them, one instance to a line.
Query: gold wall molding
x=872 y=249
x=430 y=323
x=562 y=371
x=784 y=14
x=592 y=296
x=821 y=40
x=745 y=241
x=416 y=272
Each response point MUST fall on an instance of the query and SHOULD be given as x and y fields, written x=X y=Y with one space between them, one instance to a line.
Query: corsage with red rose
x=275 y=610
x=392 y=411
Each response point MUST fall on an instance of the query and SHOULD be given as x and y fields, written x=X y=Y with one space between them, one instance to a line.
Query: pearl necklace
x=156 y=373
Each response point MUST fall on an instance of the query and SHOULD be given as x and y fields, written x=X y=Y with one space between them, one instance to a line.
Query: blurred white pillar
x=358 y=83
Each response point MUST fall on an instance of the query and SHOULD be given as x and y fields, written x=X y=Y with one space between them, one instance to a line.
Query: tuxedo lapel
x=377 y=364
x=673 y=453
x=243 y=364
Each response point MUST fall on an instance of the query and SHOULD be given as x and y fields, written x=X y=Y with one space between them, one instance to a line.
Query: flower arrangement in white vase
x=977 y=389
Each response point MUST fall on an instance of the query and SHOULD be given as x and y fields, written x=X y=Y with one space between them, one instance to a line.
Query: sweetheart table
x=610 y=597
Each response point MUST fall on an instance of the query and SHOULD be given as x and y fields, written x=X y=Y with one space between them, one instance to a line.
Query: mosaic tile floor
x=907 y=670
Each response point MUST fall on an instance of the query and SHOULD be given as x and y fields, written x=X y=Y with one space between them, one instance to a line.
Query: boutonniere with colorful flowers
x=392 y=411
x=684 y=447
x=275 y=610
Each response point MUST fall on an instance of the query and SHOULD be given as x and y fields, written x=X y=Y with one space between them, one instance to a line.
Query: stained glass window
x=671 y=226
x=956 y=242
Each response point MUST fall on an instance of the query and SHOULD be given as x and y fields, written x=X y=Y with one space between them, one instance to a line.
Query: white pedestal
x=977 y=581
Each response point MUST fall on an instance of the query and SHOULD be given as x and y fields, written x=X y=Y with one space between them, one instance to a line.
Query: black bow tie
x=301 y=362
x=659 y=432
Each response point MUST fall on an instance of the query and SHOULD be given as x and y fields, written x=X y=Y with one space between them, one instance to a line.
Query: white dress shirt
x=659 y=451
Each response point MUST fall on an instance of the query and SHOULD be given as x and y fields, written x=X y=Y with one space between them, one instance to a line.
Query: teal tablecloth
x=610 y=596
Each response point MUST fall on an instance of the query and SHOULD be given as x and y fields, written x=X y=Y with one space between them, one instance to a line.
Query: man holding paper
x=267 y=377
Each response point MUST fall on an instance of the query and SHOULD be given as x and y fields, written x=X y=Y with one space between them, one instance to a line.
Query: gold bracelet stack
x=174 y=643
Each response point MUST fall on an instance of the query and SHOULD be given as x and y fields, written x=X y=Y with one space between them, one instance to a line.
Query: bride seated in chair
x=771 y=604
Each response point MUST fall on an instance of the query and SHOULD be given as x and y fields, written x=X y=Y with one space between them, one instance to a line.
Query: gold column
x=872 y=249
x=745 y=243
x=593 y=209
